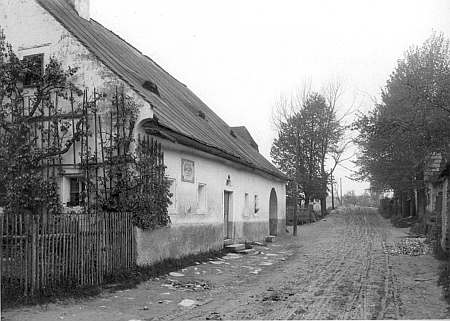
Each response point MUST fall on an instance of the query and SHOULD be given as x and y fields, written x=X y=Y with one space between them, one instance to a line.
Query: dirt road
x=338 y=268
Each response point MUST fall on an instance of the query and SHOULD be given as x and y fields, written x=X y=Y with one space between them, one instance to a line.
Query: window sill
x=71 y=209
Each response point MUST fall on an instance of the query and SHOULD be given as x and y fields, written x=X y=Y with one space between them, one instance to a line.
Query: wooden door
x=226 y=214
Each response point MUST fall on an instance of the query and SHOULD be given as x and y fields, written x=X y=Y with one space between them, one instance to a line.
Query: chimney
x=82 y=7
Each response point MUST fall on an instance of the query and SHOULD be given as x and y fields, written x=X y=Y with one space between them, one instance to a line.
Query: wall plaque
x=187 y=170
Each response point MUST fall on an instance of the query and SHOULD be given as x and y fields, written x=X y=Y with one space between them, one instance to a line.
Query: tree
x=33 y=129
x=350 y=198
x=363 y=200
x=305 y=139
x=411 y=123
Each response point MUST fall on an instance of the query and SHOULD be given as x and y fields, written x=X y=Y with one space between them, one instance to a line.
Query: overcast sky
x=238 y=56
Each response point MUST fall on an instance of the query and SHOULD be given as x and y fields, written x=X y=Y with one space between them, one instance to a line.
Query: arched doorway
x=273 y=213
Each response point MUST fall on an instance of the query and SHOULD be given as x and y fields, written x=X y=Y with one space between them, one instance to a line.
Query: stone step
x=247 y=251
x=227 y=242
x=258 y=243
x=235 y=247
x=270 y=239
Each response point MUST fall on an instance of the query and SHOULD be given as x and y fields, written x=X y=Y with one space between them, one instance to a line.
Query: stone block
x=227 y=242
x=235 y=247
x=247 y=251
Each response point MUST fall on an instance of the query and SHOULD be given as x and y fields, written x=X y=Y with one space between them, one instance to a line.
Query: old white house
x=223 y=188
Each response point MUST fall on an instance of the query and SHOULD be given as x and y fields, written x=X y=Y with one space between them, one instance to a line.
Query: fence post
x=1 y=255
x=34 y=254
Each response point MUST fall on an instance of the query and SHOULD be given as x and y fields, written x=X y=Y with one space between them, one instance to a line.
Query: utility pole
x=332 y=191
x=342 y=201
x=294 y=230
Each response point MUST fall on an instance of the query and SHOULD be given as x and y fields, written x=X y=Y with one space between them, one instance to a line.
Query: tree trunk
x=421 y=198
x=306 y=200
x=323 y=206
x=294 y=230
x=412 y=205
x=405 y=209
x=398 y=202
x=332 y=192
x=421 y=202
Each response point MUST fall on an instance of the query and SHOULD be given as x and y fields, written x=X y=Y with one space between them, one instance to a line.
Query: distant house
x=436 y=179
x=223 y=188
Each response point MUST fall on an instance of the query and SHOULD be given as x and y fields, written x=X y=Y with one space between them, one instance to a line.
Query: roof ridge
x=115 y=34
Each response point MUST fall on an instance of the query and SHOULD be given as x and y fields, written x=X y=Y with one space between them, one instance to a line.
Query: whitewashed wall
x=30 y=30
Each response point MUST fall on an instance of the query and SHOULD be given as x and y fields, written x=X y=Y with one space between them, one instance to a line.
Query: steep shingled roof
x=176 y=107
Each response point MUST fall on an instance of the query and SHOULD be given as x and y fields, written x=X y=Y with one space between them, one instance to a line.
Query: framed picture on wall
x=187 y=170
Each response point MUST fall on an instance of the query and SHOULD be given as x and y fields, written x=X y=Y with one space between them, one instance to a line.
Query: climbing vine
x=33 y=130
x=151 y=198
x=117 y=171
x=126 y=179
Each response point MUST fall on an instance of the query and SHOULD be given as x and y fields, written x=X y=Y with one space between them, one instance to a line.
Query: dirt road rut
x=341 y=269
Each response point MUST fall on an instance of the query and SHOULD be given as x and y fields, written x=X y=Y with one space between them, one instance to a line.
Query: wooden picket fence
x=304 y=215
x=43 y=251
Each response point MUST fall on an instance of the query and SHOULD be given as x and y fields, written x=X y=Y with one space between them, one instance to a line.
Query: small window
x=77 y=188
x=2 y=193
x=151 y=86
x=256 y=205
x=201 y=197
x=35 y=69
x=246 y=205
x=172 y=190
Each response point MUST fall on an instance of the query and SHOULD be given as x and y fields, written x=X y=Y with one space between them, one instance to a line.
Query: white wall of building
x=218 y=175
x=30 y=30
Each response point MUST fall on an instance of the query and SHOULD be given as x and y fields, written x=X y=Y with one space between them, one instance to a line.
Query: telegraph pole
x=294 y=230
x=332 y=191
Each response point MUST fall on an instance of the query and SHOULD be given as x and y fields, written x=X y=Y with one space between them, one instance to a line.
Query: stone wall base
x=177 y=241
x=277 y=226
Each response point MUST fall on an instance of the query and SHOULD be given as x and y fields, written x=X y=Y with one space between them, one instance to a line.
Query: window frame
x=3 y=193
x=172 y=208
x=30 y=79
x=202 y=198
x=246 y=204
x=255 y=205
x=81 y=190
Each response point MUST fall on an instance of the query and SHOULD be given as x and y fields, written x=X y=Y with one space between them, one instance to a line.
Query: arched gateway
x=273 y=213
